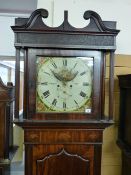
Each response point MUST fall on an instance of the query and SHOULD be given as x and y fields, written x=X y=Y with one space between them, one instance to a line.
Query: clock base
x=72 y=149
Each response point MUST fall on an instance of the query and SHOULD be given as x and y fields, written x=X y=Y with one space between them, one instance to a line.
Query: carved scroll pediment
x=35 y=23
x=63 y=163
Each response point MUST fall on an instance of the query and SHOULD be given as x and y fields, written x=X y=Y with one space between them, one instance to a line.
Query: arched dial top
x=64 y=84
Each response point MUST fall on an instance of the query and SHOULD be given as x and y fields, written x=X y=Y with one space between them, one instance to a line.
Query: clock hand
x=45 y=83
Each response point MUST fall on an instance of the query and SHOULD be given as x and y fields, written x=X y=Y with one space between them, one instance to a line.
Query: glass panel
x=64 y=84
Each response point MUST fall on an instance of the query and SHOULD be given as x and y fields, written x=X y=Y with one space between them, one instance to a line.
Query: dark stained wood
x=2 y=120
x=96 y=23
x=32 y=54
x=65 y=136
x=29 y=160
x=103 y=72
x=17 y=82
x=1 y=170
x=70 y=164
x=111 y=86
x=126 y=163
x=97 y=159
x=79 y=124
x=25 y=101
x=97 y=35
x=6 y=127
x=124 y=132
x=64 y=143
x=46 y=142
x=5 y=168
x=84 y=151
x=6 y=119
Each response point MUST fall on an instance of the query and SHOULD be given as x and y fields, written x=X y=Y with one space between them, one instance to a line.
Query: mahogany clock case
x=64 y=143
x=36 y=39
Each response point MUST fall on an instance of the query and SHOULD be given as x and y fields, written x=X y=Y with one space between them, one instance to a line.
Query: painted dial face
x=64 y=84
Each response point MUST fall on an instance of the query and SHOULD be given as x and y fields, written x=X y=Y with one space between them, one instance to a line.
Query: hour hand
x=57 y=75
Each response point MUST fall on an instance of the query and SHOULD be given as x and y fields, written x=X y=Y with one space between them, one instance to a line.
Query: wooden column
x=111 y=86
x=25 y=101
x=17 y=82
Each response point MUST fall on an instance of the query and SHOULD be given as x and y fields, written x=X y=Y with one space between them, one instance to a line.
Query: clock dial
x=64 y=84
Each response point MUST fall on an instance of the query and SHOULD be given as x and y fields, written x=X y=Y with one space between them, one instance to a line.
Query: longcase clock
x=64 y=92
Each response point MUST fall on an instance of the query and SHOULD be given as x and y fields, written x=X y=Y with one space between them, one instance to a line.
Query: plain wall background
x=113 y=10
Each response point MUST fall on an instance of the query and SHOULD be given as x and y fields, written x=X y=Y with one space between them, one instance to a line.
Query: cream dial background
x=64 y=84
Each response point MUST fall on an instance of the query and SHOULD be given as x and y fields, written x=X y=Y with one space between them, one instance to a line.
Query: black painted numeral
x=53 y=63
x=85 y=84
x=55 y=66
x=46 y=93
x=83 y=94
x=44 y=83
x=74 y=65
x=83 y=73
x=47 y=73
x=65 y=62
x=76 y=103
x=64 y=105
x=54 y=102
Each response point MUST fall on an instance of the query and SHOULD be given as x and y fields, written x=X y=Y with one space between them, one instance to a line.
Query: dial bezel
x=32 y=77
x=63 y=80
